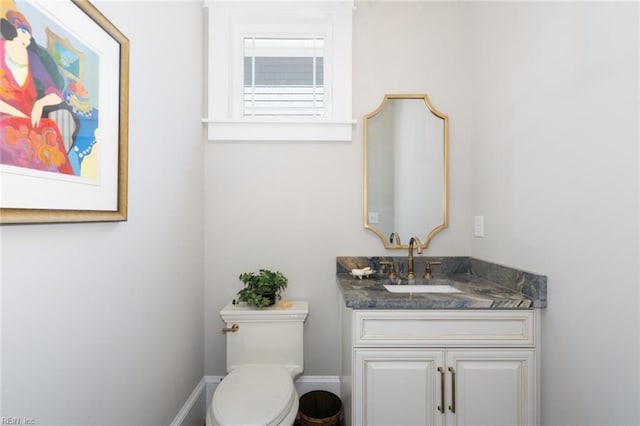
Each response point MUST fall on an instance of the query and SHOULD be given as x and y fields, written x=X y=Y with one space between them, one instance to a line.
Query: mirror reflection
x=405 y=170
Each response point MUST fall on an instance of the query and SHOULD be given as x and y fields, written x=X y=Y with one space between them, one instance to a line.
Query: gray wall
x=555 y=175
x=102 y=323
x=295 y=206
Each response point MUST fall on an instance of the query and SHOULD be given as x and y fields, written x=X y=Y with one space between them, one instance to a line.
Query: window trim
x=229 y=22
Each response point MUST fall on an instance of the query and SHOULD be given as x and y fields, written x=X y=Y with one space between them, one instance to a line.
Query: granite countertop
x=483 y=285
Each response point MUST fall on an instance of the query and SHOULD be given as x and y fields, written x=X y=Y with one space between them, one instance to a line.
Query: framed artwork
x=64 y=95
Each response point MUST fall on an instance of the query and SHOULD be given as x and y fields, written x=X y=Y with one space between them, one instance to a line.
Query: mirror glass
x=405 y=170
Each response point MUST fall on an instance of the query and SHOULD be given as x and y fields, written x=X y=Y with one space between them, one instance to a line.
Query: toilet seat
x=255 y=395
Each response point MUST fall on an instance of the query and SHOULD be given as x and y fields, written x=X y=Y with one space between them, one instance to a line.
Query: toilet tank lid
x=292 y=311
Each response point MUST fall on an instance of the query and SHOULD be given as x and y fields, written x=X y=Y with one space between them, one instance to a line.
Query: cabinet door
x=491 y=387
x=395 y=387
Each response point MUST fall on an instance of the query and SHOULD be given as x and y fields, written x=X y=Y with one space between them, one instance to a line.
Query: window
x=279 y=70
x=283 y=77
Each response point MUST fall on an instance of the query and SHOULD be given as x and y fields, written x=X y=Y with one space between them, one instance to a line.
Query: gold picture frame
x=92 y=56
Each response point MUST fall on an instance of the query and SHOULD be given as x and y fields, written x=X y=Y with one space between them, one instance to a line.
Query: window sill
x=299 y=130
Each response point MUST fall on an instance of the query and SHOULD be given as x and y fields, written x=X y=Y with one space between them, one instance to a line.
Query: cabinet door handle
x=452 y=407
x=441 y=406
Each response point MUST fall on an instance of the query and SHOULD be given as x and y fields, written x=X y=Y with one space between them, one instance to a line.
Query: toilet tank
x=272 y=335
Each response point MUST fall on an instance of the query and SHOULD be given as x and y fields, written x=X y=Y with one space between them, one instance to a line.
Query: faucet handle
x=392 y=269
x=427 y=269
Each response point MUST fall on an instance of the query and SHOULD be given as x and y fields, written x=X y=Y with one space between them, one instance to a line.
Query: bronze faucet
x=412 y=242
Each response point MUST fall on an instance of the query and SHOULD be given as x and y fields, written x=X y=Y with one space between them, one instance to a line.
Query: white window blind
x=283 y=77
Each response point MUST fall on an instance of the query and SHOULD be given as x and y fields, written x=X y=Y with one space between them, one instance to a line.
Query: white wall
x=102 y=323
x=295 y=206
x=555 y=174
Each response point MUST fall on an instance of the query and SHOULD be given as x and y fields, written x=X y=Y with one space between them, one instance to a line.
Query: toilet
x=264 y=356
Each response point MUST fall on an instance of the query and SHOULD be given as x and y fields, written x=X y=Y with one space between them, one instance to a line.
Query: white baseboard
x=208 y=384
x=188 y=405
x=306 y=384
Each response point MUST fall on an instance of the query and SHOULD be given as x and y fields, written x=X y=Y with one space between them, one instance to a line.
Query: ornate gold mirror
x=405 y=170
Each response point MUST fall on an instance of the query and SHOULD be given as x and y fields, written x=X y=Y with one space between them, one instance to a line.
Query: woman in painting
x=29 y=82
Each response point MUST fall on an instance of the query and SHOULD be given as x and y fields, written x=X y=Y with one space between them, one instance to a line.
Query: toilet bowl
x=264 y=356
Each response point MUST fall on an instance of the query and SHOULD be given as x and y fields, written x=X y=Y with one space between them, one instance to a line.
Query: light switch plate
x=478 y=228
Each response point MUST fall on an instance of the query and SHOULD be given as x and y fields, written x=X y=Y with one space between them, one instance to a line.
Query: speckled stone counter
x=483 y=285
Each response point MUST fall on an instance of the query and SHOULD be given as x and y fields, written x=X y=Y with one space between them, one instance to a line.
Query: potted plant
x=263 y=288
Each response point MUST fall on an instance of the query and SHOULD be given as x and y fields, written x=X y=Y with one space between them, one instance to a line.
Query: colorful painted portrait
x=49 y=116
x=63 y=93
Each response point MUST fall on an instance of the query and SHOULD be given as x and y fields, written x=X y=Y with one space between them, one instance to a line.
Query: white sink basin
x=420 y=288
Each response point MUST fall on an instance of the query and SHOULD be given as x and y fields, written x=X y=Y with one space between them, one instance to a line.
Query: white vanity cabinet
x=440 y=367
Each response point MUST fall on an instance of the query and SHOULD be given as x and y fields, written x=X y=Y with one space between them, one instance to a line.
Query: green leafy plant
x=261 y=289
